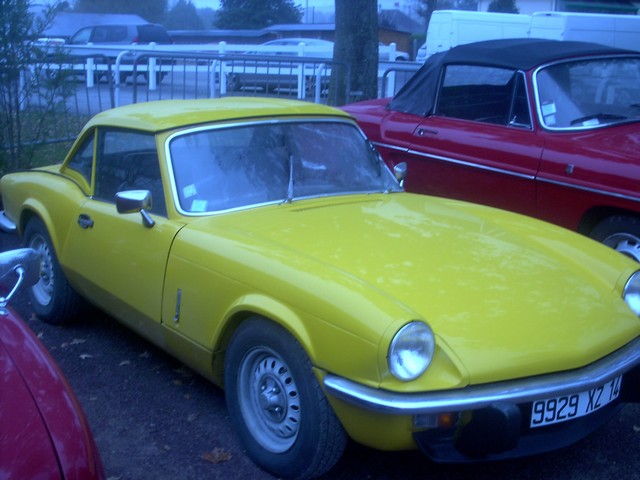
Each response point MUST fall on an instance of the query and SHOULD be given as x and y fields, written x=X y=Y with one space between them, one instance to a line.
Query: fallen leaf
x=184 y=371
x=217 y=455
x=124 y=362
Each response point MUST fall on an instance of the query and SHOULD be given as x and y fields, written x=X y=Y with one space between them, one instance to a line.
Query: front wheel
x=52 y=298
x=277 y=406
x=620 y=232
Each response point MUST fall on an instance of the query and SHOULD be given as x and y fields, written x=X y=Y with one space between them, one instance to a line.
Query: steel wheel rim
x=624 y=243
x=269 y=400
x=43 y=290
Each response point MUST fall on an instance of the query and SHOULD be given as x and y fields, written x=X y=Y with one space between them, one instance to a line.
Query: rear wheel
x=620 y=232
x=276 y=404
x=52 y=298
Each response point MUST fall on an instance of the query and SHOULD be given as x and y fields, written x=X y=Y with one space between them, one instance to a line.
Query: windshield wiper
x=597 y=116
x=290 y=187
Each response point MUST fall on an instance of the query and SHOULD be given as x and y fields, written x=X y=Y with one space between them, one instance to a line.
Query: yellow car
x=264 y=243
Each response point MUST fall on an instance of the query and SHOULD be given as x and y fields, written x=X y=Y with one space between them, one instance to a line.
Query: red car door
x=479 y=162
x=479 y=144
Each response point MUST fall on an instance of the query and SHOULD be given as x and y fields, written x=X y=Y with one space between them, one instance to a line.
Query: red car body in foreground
x=43 y=430
x=545 y=128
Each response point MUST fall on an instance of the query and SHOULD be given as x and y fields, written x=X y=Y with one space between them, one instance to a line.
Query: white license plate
x=568 y=407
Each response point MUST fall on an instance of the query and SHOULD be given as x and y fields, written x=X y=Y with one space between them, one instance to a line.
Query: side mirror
x=132 y=201
x=400 y=172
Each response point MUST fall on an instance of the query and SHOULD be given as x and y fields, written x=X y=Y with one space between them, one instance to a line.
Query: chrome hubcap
x=269 y=400
x=625 y=243
x=43 y=290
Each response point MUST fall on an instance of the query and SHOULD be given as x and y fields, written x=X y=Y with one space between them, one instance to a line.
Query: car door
x=117 y=261
x=479 y=145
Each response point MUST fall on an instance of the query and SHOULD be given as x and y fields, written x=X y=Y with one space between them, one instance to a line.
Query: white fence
x=307 y=63
x=109 y=76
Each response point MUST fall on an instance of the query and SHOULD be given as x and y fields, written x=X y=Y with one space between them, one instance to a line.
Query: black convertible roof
x=418 y=93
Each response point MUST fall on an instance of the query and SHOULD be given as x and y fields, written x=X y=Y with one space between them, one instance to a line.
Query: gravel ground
x=153 y=418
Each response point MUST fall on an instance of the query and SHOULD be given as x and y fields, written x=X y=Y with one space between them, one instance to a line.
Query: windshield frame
x=585 y=125
x=391 y=182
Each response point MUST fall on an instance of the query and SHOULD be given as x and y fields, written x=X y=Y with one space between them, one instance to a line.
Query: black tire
x=52 y=298
x=276 y=405
x=620 y=232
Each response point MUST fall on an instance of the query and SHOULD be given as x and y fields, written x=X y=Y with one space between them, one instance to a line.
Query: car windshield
x=589 y=93
x=217 y=169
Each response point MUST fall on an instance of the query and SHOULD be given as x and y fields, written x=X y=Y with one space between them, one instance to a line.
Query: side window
x=82 y=37
x=82 y=161
x=128 y=160
x=520 y=115
x=479 y=93
x=100 y=34
x=117 y=33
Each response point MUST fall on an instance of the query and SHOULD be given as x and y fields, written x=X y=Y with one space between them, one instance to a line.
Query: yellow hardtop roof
x=167 y=114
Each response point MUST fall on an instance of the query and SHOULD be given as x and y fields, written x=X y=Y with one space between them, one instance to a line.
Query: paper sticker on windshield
x=189 y=191
x=548 y=109
x=199 y=206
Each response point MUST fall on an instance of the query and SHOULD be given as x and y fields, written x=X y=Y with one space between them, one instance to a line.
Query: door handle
x=421 y=132
x=85 y=221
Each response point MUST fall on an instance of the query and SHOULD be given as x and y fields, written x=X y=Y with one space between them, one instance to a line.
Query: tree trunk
x=356 y=46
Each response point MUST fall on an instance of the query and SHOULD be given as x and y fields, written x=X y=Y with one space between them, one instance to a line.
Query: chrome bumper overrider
x=6 y=225
x=480 y=396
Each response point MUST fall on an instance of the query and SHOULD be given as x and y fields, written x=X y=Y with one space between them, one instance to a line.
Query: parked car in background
x=114 y=35
x=546 y=128
x=266 y=74
x=324 y=48
x=283 y=66
x=43 y=430
x=265 y=243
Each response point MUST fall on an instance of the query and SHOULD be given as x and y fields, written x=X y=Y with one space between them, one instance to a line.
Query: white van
x=449 y=28
x=620 y=31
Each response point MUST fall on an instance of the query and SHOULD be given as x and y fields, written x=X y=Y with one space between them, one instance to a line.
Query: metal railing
x=107 y=76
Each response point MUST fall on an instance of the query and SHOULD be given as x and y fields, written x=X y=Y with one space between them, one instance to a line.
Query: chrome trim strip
x=480 y=396
x=513 y=174
x=589 y=189
x=7 y=225
x=390 y=147
x=472 y=165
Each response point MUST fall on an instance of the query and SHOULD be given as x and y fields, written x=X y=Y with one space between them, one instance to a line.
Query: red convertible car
x=43 y=431
x=546 y=128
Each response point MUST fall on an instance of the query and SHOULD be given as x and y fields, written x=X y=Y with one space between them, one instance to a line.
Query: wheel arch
x=595 y=215
x=268 y=308
x=34 y=209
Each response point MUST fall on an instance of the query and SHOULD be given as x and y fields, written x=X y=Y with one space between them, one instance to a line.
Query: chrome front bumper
x=480 y=396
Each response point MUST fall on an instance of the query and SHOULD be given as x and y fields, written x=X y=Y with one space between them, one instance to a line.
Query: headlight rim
x=633 y=282
x=394 y=352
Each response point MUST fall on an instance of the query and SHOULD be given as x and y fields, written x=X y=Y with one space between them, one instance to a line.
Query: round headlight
x=631 y=293
x=411 y=351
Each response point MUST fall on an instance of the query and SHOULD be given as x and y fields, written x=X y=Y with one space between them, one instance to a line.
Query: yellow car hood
x=506 y=295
